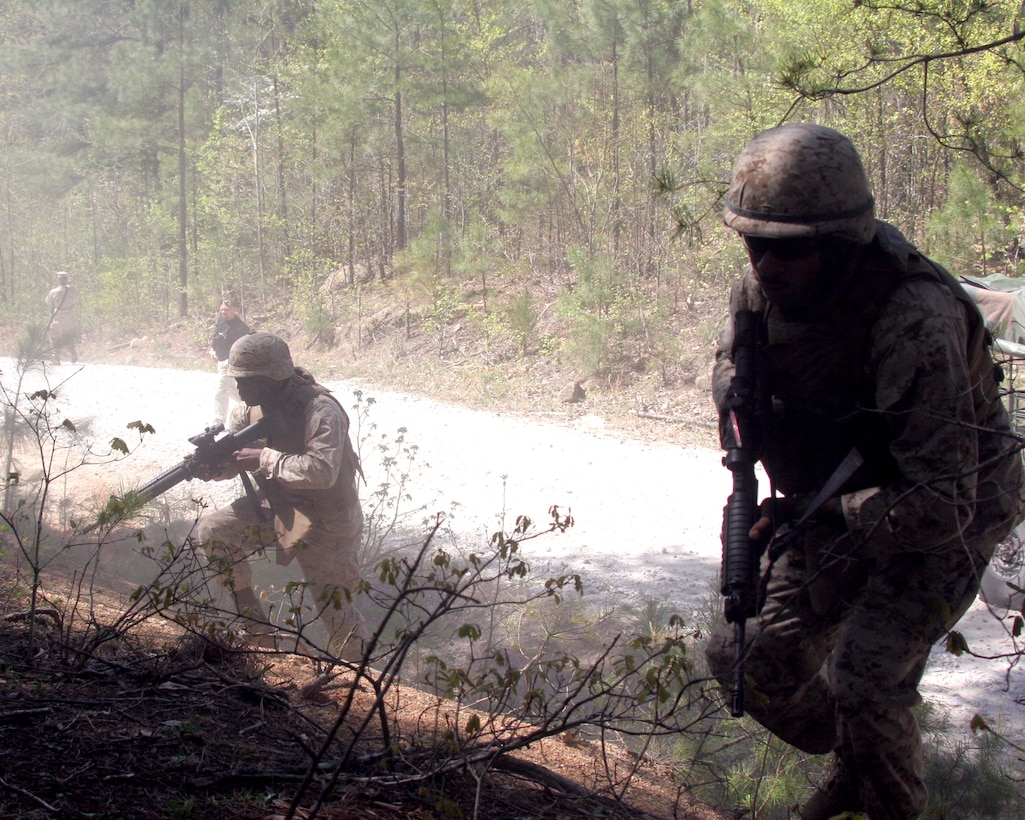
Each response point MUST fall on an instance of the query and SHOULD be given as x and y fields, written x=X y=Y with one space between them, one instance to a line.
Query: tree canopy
x=169 y=152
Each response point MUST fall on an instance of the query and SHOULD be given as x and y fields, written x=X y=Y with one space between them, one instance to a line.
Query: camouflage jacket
x=892 y=360
x=310 y=464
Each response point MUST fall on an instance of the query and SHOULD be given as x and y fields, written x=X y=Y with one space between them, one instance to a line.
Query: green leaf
x=956 y=643
x=469 y=631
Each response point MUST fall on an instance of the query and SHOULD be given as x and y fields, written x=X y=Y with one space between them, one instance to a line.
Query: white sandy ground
x=647 y=516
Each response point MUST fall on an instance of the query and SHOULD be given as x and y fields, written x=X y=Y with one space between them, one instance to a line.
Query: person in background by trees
x=229 y=329
x=875 y=381
x=307 y=471
x=63 y=329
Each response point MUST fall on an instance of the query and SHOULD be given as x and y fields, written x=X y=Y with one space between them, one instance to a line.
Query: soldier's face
x=787 y=269
x=256 y=390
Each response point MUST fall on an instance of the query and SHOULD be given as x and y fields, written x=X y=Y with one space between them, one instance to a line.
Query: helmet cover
x=800 y=180
x=260 y=354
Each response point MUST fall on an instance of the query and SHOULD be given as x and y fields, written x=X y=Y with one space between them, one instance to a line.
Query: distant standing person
x=230 y=328
x=63 y=330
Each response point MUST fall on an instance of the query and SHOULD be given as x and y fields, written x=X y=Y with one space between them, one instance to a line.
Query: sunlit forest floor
x=165 y=728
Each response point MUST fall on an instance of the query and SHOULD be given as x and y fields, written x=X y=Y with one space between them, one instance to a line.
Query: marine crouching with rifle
x=892 y=468
x=307 y=470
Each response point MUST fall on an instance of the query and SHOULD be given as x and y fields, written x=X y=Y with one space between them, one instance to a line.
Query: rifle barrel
x=165 y=481
x=741 y=557
x=739 y=638
x=210 y=452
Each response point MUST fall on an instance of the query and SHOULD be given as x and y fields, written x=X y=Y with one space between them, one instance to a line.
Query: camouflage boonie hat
x=801 y=180
x=260 y=354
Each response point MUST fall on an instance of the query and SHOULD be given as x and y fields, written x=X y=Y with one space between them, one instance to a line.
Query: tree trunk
x=183 y=251
x=282 y=187
x=400 y=152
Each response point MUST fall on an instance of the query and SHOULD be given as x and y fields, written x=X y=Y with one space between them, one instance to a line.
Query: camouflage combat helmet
x=260 y=354
x=800 y=180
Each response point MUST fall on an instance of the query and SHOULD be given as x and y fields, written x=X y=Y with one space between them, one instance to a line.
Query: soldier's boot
x=346 y=635
x=258 y=630
x=839 y=797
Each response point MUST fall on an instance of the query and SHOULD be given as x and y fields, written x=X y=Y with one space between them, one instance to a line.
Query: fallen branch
x=536 y=773
x=29 y=795
x=539 y=774
x=647 y=414
x=38 y=613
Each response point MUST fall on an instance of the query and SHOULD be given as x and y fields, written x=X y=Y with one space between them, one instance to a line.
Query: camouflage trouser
x=844 y=677
x=329 y=561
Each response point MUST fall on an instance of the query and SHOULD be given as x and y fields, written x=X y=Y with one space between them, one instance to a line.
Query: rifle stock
x=740 y=556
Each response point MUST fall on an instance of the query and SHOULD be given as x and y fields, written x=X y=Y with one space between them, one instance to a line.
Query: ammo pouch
x=292 y=527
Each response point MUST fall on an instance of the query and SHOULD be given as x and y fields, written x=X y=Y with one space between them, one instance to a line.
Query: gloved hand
x=248 y=458
x=788 y=510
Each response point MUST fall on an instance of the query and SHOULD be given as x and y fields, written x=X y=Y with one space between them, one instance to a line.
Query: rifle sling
x=845 y=469
x=254 y=499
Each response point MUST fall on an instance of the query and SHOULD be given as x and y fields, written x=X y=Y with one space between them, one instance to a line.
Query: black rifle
x=211 y=452
x=741 y=558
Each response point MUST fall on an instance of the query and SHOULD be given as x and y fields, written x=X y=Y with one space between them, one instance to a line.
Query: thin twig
x=28 y=794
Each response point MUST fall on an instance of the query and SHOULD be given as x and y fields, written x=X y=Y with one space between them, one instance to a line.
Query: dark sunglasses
x=786 y=249
x=255 y=381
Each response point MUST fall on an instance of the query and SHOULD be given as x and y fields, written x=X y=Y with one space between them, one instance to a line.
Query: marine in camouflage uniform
x=868 y=346
x=307 y=468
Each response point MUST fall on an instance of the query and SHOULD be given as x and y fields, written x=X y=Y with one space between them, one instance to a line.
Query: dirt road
x=647 y=515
